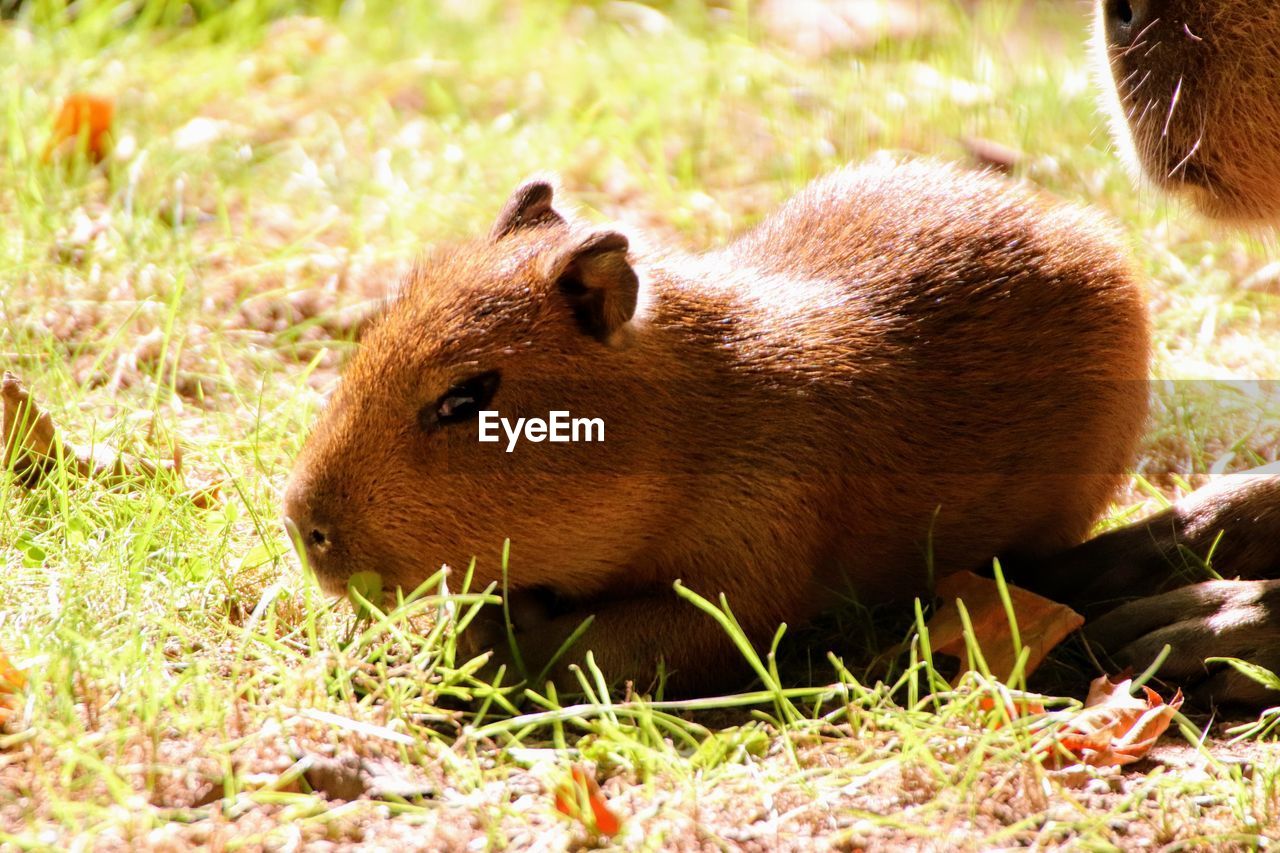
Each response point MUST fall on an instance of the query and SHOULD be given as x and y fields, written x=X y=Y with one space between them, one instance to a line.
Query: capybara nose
x=315 y=538
x=311 y=536
x=302 y=534
x=1127 y=19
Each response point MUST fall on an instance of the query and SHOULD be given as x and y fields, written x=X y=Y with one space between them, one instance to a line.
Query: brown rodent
x=1193 y=87
x=903 y=359
x=1196 y=98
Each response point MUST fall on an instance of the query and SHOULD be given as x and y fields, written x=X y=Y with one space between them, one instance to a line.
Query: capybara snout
x=1194 y=91
x=314 y=532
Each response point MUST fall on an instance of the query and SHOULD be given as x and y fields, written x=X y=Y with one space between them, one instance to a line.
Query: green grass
x=185 y=677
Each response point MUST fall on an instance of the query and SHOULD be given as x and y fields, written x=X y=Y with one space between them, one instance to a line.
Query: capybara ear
x=594 y=276
x=529 y=206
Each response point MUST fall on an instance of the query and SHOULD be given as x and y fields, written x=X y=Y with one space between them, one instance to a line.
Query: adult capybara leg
x=1233 y=526
x=1227 y=619
x=1148 y=585
x=646 y=637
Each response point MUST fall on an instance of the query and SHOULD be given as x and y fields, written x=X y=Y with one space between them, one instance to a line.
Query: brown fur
x=901 y=355
x=1196 y=98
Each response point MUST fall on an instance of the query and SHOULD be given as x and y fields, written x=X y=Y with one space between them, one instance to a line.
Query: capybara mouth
x=1190 y=175
x=331 y=582
x=333 y=585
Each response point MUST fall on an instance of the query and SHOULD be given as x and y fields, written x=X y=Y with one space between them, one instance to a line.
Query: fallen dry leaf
x=29 y=437
x=303 y=35
x=579 y=797
x=206 y=497
x=82 y=115
x=32 y=447
x=1112 y=729
x=12 y=683
x=818 y=28
x=1042 y=623
x=352 y=777
x=992 y=154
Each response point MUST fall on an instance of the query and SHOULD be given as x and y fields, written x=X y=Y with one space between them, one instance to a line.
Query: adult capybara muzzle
x=1194 y=92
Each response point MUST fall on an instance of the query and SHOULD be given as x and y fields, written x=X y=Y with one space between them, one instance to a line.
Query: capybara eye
x=460 y=403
